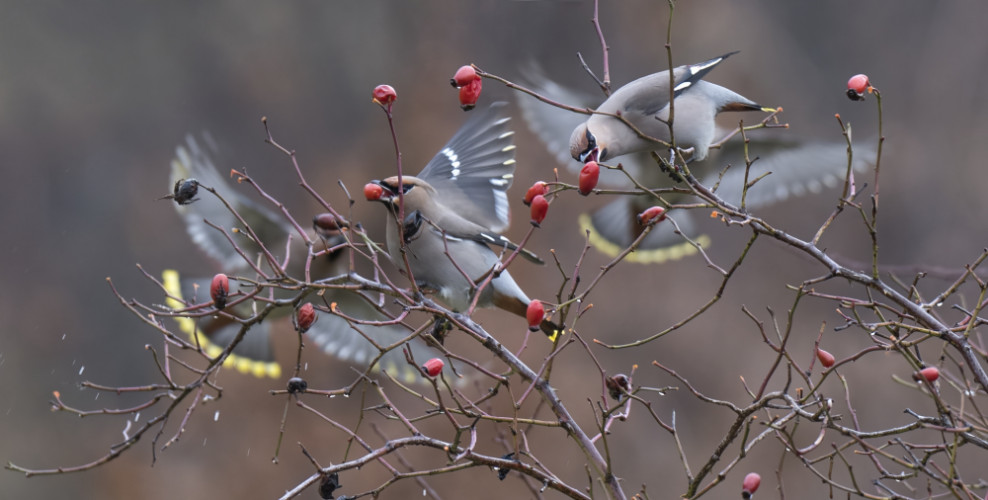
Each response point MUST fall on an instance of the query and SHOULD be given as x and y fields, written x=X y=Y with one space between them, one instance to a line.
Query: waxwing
x=457 y=206
x=645 y=104
x=331 y=333
x=797 y=168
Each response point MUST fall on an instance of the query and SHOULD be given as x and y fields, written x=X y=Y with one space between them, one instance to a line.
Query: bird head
x=415 y=191
x=584 y=145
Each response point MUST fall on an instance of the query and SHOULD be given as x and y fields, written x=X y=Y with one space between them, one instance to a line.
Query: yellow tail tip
x=640 y=256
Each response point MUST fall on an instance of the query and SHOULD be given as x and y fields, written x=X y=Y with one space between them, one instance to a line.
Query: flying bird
x=331 y=333
x=798 y=168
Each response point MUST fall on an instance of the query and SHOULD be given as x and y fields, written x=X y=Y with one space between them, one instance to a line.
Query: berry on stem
x=617 y=386
x=930 y=373
x=750 y=485
x=464 y=76
x=535 y=314
x=433 y=367
x=652 y=214
x=540 y=207
x=219 y=290
x=539 y=188
x=385 y=95
x=857 y=86
x=305 y=317
x=469 y=94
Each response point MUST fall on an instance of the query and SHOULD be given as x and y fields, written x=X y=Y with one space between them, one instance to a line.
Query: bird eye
x=405 y=188
x=591 y=145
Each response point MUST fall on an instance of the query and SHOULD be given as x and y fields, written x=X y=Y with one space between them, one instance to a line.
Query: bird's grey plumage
x=797 y=167
x=457 y=210
x=427 y=250
x=331 y=333
x=645 y=103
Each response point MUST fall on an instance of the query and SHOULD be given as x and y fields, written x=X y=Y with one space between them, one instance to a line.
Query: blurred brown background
x=94 y=98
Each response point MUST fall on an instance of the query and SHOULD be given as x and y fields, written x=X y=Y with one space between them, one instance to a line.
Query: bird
x=798 y=167
x=331 y=333
x=458 y=205
x=645 y=104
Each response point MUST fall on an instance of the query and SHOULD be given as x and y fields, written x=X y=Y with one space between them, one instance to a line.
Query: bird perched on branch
x=454 y=211
x=333 y=334
x=797 y=167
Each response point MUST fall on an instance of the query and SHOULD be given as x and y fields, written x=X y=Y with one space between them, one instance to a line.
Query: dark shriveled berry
x=297 y=385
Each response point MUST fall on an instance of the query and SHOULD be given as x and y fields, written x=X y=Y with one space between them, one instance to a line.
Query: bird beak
x=387 y=192
x=590 y=155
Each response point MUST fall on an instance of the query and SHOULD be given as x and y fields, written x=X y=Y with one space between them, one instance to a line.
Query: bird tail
x=614 y=227
x=552 y=329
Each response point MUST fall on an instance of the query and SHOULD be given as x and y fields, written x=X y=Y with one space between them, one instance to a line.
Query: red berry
x=469 y=94
x=617 y=385
x=219 y=290
x=652 y=214
x=858 y=83
x=588 y=177
x=433 y=366
x=373 y=192
x=540 y=207
x=305 y=316
x=826 y=359
x=464 y=76
x=536 y=189
x=326 y=221
x=750 y=485
x=535 y=314
x=857 y=86
x=385 y=95
x=930 y=373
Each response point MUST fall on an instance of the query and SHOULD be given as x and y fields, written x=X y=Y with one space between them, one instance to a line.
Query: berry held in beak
x=588 y=177
x=373 y=191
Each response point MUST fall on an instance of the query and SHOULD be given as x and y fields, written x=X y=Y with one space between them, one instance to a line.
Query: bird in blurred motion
x=797 y=167
x=333 y=334
x=458 y=205
x=645 y=104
